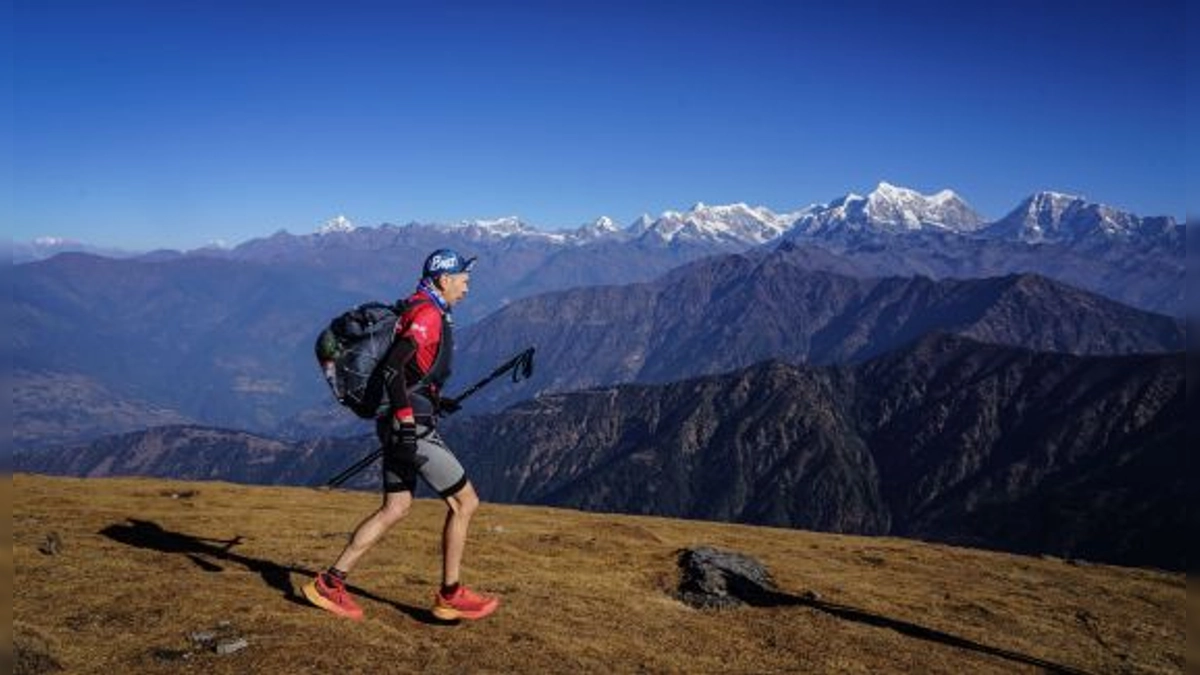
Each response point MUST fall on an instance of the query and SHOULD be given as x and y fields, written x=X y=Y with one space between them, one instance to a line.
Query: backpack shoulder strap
x=404 y=308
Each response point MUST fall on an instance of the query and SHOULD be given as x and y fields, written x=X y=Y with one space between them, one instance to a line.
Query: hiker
x=418 y=364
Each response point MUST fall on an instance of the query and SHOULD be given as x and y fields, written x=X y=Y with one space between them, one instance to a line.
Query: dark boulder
x=712 y=578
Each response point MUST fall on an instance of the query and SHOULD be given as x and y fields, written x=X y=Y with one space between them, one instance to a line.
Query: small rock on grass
x=231 y=645
x=51 y=545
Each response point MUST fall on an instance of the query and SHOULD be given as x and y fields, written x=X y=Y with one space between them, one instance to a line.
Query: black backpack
x=350 y=352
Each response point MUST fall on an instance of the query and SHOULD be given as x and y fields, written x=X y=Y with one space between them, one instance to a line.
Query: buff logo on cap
x=445 y=261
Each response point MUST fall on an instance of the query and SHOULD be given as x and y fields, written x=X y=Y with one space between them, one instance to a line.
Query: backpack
x=350 y=352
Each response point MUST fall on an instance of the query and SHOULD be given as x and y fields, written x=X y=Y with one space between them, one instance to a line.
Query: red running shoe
x=328 y=592
x=463 y=604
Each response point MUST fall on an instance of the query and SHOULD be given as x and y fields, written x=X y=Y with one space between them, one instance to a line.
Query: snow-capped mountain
x=508 y=227
x=338 y=223
x=889 y=209
x=599 y=229
x=847 y=222
x=734 y=223
x=1053 y=217
x=737 y=224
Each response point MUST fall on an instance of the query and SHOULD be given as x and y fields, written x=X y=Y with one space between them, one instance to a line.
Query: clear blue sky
x=177 y=122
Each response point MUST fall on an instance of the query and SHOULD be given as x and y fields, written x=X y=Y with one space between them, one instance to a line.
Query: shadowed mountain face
x=948 y=440
x=729 y=312
x=1032 y=452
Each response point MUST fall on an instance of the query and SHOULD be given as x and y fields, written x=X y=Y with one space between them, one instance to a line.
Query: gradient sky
x=153 y=123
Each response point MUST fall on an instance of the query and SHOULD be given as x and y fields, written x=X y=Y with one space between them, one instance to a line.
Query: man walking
x=418 y=365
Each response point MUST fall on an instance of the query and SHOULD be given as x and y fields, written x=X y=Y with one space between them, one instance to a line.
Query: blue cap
x=446 y=261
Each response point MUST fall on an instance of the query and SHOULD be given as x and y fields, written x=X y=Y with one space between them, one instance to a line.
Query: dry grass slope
x=139 y=565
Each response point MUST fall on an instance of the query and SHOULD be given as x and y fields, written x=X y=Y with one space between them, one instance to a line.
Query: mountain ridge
x=723 y=313
x=887 y=208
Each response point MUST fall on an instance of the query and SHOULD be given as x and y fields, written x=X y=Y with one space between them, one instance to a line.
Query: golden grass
x=144 y=563
x=6 y=575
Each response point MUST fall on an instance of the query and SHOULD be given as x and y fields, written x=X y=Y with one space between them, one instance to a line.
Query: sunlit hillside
x=151 y=576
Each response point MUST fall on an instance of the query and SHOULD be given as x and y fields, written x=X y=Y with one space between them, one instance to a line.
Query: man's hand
x=448 y=406
x=403 y=438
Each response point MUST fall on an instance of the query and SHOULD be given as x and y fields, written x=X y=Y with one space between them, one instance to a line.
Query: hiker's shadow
x=206 y=553
x=757 y=596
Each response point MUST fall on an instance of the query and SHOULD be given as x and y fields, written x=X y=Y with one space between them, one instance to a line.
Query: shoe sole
x=314 y=596
x=452 y=614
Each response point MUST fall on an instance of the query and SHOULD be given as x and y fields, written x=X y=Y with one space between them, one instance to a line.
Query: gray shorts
x=435 y=464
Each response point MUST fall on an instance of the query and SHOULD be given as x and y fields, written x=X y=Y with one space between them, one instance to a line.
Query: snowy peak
x=601 y=228
x=891 y=209
x=499 y=227
x=504 y=228
x=604 y=224
x=915 y=211
x=338 y=223
x=1053 y=217
x=888 y=211
x=729 y=224
x=898 y=208
x=732 y=223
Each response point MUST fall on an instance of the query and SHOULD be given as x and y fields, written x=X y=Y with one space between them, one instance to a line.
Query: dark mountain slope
x=949 y=440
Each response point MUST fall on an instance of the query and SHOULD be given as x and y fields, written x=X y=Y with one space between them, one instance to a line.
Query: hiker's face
x=455 y=286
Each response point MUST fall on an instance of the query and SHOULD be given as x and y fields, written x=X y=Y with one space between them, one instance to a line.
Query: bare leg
x=462 y=506
x=395 y=507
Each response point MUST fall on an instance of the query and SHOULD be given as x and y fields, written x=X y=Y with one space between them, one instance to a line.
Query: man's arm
x=403 y=350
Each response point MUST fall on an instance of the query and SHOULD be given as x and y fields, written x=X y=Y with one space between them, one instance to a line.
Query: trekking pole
x=353 y=469
x=522 y=361
x=522 y=364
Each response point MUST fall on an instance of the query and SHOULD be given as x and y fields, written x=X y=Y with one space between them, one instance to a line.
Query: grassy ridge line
x=143 y=563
